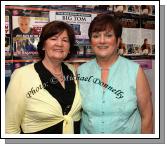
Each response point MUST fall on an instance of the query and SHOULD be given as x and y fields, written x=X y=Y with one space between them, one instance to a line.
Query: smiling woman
x=55 y=107
x=126 y=108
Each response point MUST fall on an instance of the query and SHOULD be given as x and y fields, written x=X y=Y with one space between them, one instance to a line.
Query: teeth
x=58 y=50
x=103 y=47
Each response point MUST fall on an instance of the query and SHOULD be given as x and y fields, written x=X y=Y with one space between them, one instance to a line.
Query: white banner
x=78 y=20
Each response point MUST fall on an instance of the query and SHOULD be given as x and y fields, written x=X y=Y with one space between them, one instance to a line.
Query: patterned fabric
x=113 y=110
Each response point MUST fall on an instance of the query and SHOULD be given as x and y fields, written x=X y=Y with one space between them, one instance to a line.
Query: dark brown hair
x=105 y=22
x=51 y=29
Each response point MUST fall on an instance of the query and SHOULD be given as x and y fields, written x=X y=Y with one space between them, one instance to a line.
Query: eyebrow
x=65 y=37
x=56 y=35
x=104 y=31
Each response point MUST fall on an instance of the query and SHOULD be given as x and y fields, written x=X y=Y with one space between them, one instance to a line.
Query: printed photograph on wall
x=26 y=28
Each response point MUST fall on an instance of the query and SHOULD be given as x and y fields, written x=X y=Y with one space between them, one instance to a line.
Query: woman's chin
x=61 y=58
x=102 y=55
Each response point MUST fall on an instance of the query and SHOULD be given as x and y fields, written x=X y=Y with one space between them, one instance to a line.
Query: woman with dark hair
x=145 y=48
x=116 y=98
x=40 y=97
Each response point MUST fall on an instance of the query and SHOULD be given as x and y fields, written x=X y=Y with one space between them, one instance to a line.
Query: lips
x=102 y=47
x=58 y=50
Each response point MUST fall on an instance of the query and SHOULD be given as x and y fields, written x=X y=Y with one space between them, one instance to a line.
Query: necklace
x=59 y=74
x=60 y=77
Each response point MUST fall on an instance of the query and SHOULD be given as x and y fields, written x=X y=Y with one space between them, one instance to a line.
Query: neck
x=105 y=63
x=52 y=65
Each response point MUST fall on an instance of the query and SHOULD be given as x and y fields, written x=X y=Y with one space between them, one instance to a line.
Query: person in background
x=24 y=27
x=146 y=47
x=122 y=49
x=40 y=99
x=146 y=9
x=119 y=8
x=116 y=97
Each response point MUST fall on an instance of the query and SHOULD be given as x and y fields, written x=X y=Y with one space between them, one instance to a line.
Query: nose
x=24 y=26
x=59 y=42
x=102 y=39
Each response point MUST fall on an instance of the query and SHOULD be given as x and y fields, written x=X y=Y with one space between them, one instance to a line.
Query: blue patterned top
x=113 y=110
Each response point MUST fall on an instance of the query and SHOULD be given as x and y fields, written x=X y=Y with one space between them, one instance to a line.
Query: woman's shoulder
x=128 y=62
x=87 y=65
x=129 y=66
x=27 y=69
x=70 y=66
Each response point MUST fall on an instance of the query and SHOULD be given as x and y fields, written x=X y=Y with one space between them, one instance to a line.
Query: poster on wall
x=8 y=72
x=7 y=31
x=148 y=22
x=134 y=9
x=8 y=69
x=138 y=35
x=8 y=52
x=148 y=41
x=143 y=45
x=130 y=43
x=26 y=29
x=78 y=20
x=147 y=9
x=145 y=63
